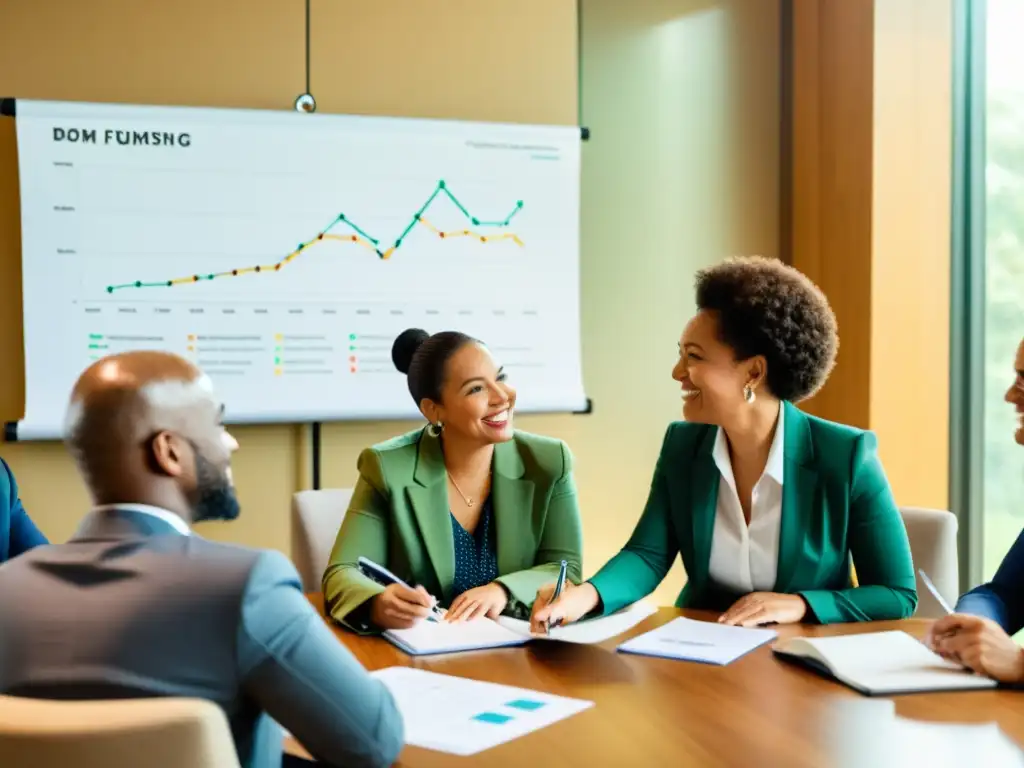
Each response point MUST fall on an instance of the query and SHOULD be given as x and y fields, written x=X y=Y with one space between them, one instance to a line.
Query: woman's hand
x=979 y=644
x=399 y=607
x=574 y=603
x=489 y=600
x=765 y=608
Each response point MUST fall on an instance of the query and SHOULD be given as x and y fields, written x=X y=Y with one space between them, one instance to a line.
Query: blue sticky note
x=492 y=717
x=526 y=704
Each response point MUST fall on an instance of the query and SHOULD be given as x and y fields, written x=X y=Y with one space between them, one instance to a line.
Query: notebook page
x=878 y=653
x=590 y=630
x=436 y=636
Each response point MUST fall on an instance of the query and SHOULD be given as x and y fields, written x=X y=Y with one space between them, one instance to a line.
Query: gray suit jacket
x=132 y=608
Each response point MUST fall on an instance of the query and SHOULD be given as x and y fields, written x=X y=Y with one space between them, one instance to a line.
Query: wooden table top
x=756 y=711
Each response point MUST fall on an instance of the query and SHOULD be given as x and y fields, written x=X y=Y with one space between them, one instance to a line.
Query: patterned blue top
x=476 y=563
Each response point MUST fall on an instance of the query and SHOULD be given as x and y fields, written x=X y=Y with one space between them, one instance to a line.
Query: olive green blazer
x=836 y=506
x=399 y=518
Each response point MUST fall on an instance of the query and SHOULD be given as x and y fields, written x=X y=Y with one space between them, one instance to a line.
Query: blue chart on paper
x=496 y=718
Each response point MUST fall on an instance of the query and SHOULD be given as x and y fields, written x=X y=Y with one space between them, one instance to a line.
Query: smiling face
x=712 y=379
x=1015 y=394
x=476 y=400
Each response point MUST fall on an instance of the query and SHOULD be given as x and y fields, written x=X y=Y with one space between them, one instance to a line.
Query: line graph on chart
x=343 y=229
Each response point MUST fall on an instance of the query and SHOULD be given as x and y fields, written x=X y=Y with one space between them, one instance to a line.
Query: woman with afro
x=769 y=507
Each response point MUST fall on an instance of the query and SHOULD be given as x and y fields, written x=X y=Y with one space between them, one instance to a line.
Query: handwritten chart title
x=124 y=138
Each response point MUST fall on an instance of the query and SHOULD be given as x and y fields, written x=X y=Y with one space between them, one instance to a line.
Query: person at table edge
x=467 y=511
x=767 y=505
x=979 y=633
x=18 y=533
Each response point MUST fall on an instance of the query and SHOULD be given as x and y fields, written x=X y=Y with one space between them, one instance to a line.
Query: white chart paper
x=283 y=253
x=463 y=717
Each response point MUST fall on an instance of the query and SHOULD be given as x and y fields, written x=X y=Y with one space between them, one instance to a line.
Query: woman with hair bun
x=766 y=505
x=469 y=512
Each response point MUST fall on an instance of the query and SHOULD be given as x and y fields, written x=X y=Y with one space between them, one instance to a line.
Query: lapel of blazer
x=428 y=497
x=512 y=496
x=799 y=493
x=704 y=478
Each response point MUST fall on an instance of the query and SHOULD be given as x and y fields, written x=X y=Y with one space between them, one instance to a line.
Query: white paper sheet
x=701 y=641
x=591 y=630
x=429 y=637
x=463 y=717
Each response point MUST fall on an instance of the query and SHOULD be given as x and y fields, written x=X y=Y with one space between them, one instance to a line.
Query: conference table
x=757 y=711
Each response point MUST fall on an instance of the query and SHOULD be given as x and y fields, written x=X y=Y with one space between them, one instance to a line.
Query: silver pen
x=935 y=592
x=559 y=586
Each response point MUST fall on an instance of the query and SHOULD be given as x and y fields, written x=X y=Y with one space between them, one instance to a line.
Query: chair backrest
x=158 y=733
x=932 y=534
x=316 y=518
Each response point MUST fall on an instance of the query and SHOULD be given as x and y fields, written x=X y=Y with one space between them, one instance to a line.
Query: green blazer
x=399 y=517
x=836 y=504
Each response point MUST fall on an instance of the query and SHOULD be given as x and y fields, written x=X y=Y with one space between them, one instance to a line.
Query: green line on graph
x=360 y=236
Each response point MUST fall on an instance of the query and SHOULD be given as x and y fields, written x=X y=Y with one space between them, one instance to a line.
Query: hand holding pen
x=570 y=604
x=399 y=606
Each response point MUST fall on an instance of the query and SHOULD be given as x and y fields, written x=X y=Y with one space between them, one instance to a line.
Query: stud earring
x=435 y=430
x=748 y=394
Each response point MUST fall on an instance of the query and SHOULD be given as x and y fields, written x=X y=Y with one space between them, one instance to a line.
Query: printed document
x=703 y=641
x=463 y=717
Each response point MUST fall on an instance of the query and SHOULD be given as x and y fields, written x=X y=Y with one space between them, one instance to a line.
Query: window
x=1003 y=459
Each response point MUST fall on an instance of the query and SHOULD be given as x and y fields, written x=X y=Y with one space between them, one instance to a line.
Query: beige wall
x=682 y=169
x=910 y=280
x=871 y=167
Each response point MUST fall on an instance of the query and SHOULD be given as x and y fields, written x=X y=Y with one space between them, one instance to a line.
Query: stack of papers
x=703 y=641
x=463 y=717
x=429 y=637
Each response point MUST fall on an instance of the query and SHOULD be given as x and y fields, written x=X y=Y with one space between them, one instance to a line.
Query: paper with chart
x=702 y=641
x=463 y=717
x=283 y=253
x=429 y=637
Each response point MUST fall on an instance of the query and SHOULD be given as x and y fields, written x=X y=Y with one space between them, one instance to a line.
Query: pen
x=559 y=586
x=934 y=591
x=384 y=577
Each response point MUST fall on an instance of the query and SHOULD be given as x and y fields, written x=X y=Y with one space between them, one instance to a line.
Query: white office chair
x=316 y=518
x=158 y=733
x=932 y=534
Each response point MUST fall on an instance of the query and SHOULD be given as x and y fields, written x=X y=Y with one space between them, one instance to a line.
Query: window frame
x=968 y=260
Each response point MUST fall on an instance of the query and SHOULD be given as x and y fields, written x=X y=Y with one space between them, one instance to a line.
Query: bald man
x=136 y=605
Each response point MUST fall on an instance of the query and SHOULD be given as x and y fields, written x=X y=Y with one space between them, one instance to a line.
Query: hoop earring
x=435 y=430
x=748 y=394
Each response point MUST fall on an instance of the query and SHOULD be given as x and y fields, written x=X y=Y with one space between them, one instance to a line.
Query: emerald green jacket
x=836 y=507
x=399 y=518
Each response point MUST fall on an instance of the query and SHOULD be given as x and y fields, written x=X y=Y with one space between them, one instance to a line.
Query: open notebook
x=428 y=637
x=880 y=663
